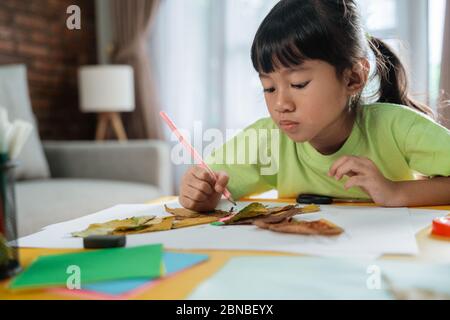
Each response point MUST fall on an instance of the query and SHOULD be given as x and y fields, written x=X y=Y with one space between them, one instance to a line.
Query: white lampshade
x=106 y=88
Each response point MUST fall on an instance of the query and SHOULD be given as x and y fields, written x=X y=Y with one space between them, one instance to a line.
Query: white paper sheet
x=369 y=231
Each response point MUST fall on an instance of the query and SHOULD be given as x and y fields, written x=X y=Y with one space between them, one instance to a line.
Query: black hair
x=331 y=31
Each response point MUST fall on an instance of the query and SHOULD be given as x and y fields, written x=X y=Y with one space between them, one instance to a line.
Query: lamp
x=107 y=90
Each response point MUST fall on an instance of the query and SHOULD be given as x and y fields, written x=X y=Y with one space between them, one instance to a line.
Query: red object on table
x=441 y=227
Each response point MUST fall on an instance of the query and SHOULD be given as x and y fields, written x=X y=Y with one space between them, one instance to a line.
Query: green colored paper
x=94 y=266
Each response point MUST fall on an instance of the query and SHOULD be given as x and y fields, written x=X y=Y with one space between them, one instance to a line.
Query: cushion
x=14 y=96
x=44 y=202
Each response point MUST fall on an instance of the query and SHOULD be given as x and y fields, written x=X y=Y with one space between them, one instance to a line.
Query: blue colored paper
x=174 y=262
x=303 y=278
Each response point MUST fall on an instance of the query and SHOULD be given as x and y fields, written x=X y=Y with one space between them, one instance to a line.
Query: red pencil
x=194 y=152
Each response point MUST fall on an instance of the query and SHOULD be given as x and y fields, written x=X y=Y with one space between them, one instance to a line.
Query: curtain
x=444 y=110
x=201 y=49
x=132 y=20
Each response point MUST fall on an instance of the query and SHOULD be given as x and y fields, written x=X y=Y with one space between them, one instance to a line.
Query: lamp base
x=103 y=121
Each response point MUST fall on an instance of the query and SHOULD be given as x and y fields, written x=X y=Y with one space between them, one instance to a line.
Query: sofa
x=61 y=180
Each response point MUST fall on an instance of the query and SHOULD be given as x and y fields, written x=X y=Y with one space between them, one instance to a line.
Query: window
x=414 y=29
x=436 y=17
x=201 y=50
x=201 y=55
x=243 y=92
x=180 y=45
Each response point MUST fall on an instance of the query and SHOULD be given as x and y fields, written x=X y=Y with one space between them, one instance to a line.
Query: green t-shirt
x=398 y=139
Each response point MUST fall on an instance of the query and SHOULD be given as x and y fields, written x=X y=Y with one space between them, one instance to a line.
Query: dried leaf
x=278 y=210
x=158 y=224
x=252 y=210
x=129 y=222
x=140 y=223
x=310 y=208
x=292 y=211
x=108 y=227
x=281 y=216
x=189 y=222
x=318 y=227
x=182 y=213
x=92 y=231
x=182 y=218
x=276 y=214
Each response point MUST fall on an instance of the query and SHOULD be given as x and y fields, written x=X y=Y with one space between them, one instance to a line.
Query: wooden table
x=181 y=285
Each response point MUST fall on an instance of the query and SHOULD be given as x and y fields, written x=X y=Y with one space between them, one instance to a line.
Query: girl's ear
x=356 y=78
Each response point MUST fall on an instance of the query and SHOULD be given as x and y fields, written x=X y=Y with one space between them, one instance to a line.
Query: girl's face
x=307 y=101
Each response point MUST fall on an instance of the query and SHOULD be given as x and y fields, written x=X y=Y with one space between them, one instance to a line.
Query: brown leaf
x=276 y=214
x=277 y=210
x=281 y=216
x=310 y=208
x=318 y=227
x=292 y=211
x=254 y=209
x=182 y=213
x=143 y=223
x=189 y=222
x=158 y=224
x=108 y=227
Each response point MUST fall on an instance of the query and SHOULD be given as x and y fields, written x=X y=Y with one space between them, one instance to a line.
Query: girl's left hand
x=364 y=173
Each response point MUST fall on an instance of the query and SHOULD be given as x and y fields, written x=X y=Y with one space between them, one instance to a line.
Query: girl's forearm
x=434 y=191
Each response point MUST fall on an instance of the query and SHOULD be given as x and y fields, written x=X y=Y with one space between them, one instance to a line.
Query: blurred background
x=190 y=58
x=205 y=44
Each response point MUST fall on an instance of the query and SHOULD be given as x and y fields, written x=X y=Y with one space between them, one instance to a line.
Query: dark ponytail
x=393 y=79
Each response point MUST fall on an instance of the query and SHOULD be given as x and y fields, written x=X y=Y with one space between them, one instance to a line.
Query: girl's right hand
x=199 y=191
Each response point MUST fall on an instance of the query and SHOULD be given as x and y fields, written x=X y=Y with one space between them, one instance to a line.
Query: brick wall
x=34 y=32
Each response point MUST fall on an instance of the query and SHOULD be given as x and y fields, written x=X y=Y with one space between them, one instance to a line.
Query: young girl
x=313 y=61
